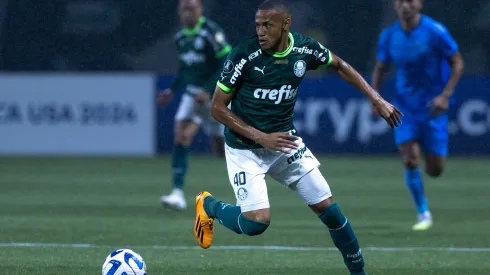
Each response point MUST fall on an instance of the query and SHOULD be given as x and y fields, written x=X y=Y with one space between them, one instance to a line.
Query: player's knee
x=178 y=137
x=183 y=139
x=434 y=170
x=411 y=162
x=252 y=227
x=186 y=140
x=256 y=222
x=321 y=206
x=410 y=154
x=261 y=215
x=434 y=165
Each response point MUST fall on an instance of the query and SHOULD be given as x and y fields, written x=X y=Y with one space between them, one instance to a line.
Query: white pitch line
x=247 y=247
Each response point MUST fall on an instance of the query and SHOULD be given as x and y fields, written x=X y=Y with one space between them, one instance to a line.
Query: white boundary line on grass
x=251 y=247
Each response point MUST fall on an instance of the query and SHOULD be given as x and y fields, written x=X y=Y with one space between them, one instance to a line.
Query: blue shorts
x=430 y=132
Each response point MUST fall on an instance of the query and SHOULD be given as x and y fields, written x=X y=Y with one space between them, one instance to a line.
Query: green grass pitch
x=109 y=203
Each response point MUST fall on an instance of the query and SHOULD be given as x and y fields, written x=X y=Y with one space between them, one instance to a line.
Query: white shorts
x=199 y=114
x=298 y=171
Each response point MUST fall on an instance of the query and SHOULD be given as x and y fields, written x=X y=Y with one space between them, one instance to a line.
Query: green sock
x=344 y=238
x=231 y=217
x=179 y=165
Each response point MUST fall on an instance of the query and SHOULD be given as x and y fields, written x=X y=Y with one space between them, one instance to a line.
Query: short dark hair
x=277 y=5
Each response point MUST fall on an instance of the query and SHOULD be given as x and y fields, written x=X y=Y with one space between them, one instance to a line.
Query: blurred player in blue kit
x=202 y=47
x=428 y=67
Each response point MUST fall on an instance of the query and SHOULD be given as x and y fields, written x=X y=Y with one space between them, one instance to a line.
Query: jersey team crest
x=299 y=68
x=228 y=67
x=242 y=193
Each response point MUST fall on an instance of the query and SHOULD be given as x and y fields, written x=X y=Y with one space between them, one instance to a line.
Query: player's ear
x=287 y=24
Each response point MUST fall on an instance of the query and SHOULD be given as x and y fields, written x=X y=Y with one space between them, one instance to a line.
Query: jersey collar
x=287 y=51
x=197 y=27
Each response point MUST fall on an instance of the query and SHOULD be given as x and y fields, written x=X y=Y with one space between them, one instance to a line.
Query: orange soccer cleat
x=203 y=225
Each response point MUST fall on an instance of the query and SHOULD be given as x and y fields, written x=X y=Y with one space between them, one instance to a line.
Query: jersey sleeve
x=233 y=70
x=321 y=56
x=445 y=43
x=382 y=50
x=218 y=41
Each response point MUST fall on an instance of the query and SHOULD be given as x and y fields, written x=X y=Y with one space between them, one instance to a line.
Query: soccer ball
x=124 y=262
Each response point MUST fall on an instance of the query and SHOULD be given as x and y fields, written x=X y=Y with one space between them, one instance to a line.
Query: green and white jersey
x=265 y=84
x=201 y=52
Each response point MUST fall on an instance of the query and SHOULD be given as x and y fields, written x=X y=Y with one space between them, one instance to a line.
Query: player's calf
x=411 y=156
x=184 y=133
x=250 y=223
x=342 y=234
x=314 y=189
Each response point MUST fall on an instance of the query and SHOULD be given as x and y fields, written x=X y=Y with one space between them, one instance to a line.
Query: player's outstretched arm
x=389 y=112
x=221 y=112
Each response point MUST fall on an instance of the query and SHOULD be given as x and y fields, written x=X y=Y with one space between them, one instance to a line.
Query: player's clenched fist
x=281 y=141
x=389 y=112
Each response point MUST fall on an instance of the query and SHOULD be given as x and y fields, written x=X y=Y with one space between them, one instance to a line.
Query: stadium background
x=78 y=81
x=99 y=38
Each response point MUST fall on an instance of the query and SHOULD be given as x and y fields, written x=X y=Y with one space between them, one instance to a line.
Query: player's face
x=407 y=9
x=270 y=27
x=189 y=12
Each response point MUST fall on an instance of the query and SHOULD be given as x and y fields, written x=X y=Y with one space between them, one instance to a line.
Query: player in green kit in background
x=261 y=78
x=202 y=48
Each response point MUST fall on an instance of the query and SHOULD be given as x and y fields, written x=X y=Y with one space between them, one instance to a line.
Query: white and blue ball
x=124 y=262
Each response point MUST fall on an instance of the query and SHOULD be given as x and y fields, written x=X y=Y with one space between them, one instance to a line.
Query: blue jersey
x=420 y=57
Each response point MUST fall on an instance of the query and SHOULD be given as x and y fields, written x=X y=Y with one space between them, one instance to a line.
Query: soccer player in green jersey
x=202 y=47
x=260 y=78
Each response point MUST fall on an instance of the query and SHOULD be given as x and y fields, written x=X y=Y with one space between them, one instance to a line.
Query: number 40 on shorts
x=240 y=179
